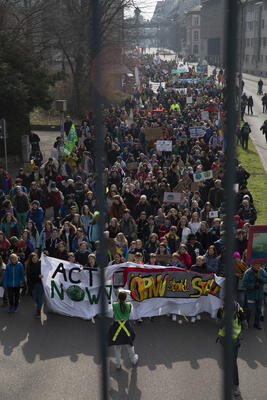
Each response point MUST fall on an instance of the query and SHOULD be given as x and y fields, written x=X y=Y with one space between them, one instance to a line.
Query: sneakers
x=135 y=359
x=10 y=309
x=139 y=320
x=118 y=366
x=237 y=391
x=193 y=320
x=198 y=317
x=174 y=317
x=15 y=309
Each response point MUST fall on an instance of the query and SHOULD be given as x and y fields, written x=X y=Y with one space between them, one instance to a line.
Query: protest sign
x=155 y=86
x=179 y=90
x=74 y=291
x=213 y=214
x=172 y=197
x=152 y=135
x=189 y=100
x=27 y=168
x=197 y=131
x=194 y=186
x=132 y=166
x=204 y=115
x=257 y=245
x=164 y=145
x=70 y=290
x=203 y=176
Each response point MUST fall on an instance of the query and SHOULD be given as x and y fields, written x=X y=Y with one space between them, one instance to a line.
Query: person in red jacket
x=184 y=257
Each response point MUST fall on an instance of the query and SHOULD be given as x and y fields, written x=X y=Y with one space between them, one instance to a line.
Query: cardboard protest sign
x=203 y=176
x=172 y=197
x=189 y=100
x=164 y=145
x=194 y=186
x=132 y=166
x=152 y=135
x=27 y=168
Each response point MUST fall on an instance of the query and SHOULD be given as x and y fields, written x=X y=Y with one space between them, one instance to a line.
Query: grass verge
x=257 y=182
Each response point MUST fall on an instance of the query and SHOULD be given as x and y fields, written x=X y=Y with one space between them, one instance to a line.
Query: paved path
x=57 y=358
x=258 y=117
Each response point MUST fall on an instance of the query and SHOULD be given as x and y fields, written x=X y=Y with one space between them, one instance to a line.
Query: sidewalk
x=256 y=120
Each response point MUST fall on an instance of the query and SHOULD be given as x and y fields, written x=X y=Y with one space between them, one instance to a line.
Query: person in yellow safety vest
x=239 y=323
x=175 y=107
x=121 y=331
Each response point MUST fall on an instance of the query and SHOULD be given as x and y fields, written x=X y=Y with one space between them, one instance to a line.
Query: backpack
x=246 y=129
x=55 y=199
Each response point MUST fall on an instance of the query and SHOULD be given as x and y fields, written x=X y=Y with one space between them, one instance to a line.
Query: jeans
x=37 y=295
x=257 y=306
x=13 y=296
x=131 y=353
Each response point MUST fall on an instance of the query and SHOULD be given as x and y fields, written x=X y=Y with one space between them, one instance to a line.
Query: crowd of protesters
x=53 y=208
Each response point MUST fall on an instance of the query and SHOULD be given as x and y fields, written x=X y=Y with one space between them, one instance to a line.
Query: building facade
x=254 y=38
x=212 y=17
x=192 y=26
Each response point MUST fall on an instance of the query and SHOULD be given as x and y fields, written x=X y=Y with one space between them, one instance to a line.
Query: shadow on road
x=161 y=342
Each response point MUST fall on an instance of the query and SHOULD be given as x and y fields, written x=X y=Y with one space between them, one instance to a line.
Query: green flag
x=71 y=140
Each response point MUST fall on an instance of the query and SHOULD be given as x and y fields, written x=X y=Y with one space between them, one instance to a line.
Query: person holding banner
x=121 y=332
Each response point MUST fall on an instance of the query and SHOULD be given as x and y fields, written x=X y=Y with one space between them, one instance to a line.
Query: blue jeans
x=257 y=306
x=37 y=295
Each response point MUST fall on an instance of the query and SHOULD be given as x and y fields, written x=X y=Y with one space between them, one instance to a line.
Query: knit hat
x=53 y=185
x=59 y=178
x=236 y=254
x=96 y=213
x=35 y=202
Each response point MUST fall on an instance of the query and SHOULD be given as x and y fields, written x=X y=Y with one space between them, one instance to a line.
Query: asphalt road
x=57 y=358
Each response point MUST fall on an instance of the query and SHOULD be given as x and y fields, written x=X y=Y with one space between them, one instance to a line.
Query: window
x=247 y=58
x=195 y=35
x=266 y=59
x=262 y=24
x=196 y=20
x=195 y=49
x=261 y=58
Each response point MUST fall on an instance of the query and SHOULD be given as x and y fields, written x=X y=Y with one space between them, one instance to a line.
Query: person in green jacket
x=121 y=332
x=253 y=280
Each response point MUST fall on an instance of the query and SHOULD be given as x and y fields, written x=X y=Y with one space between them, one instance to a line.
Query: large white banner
x=75 y=291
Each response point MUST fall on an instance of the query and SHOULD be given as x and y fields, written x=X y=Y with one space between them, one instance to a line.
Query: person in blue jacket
x=36 y=214
x=253 y=280
x=13 y=281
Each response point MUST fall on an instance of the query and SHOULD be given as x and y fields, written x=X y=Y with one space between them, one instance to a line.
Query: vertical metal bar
x=242 y=6
x=230 y=109
x=5 y=137
x=62 y=124
x=100 y=189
